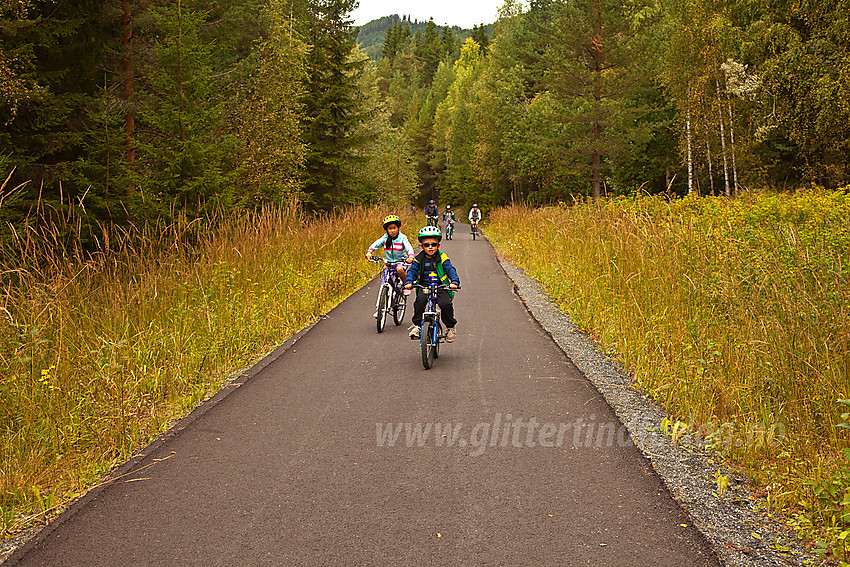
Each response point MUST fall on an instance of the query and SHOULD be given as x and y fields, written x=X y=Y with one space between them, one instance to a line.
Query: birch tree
x=598 y=51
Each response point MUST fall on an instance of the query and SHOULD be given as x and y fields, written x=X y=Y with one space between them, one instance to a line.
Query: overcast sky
x=463 y=13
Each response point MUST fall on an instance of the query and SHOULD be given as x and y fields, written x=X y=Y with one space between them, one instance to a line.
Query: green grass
x=735 y=316
x=101 y=351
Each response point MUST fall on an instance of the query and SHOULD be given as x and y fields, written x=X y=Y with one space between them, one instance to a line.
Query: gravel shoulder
x=740 y=531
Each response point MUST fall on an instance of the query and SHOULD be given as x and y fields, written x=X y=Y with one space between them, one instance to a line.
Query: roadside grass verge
x=735 y=316
x=101 y=350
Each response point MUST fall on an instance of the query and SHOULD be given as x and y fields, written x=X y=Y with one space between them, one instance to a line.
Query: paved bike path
x=288 y=470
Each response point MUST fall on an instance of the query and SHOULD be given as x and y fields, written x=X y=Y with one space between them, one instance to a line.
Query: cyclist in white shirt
x=474 y=214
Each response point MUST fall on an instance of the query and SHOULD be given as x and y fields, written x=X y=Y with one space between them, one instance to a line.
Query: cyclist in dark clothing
x=432 y=211
x=432 y=264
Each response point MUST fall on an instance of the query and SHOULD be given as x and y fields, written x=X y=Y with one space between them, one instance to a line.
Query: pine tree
x=14 y=88
x=450 y=50
x=429 y=49
x=479 y=35
x=184 y=152
x=454 y=130
x=598 y=52
x=266 y=112
x=331 y=102
x=51 y=54
x=386 y=172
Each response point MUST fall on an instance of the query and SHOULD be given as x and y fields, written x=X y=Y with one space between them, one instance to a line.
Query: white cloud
x=445 y=12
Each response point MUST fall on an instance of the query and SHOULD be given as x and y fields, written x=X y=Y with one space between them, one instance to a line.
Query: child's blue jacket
x=424 y=268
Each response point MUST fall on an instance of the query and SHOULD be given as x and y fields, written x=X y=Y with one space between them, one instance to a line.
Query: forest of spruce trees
x=136 y=110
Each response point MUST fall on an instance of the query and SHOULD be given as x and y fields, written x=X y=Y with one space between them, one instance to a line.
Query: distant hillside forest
x=371 y=36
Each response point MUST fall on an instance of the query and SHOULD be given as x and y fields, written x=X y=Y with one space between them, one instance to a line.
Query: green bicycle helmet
x=430 y=232
x=390 y=220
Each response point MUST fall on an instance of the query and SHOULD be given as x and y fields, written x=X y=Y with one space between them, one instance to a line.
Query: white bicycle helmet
x=430 y=232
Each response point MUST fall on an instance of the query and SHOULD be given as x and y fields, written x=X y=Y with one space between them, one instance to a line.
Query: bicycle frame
x=391 y=296
x=431 y=329
x=390 y=277
x=432 y=311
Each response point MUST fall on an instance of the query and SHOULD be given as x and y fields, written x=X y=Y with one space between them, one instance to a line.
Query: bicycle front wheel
x=399 y=308
x=427 y=345
x=382 y=308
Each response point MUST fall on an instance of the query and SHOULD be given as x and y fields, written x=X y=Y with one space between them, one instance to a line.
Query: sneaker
x=406 y=292
x=414 y=332
x=375 y=315
x=451 y=335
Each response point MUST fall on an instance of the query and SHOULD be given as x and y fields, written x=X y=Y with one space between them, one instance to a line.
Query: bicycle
x=431 y=329
x=390 y=295
x=474 y=227
x=450 y=229
x=432 y=221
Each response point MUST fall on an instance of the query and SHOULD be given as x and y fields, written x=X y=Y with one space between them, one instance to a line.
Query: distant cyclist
x=449 y=219
x=449 y=214
x=474 y=215
x=432 y=212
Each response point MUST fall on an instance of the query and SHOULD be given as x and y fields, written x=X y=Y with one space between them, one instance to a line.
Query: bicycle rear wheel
x=399 y=308
x=427 y=345
x=382 y=308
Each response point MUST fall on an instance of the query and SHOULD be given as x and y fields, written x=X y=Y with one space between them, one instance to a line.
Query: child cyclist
x=431 y=263
x=397 y=247
x=449 y=214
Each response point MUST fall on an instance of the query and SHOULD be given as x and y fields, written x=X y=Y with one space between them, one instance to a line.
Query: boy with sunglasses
x=429 y=264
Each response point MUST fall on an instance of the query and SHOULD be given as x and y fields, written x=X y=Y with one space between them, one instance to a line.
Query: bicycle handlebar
x=438 y=287
x=384 y=261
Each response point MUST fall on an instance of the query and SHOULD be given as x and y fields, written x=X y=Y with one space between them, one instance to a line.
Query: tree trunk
x=107 y=140
x=722 y=137
x=732 y=143
x=731 y=136
x=129 y=72
x=708 y=149
x=596 y=48
x=180 y=68
x=690 y=152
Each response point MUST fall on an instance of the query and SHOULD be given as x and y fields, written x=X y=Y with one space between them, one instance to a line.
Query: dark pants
x=444 y=300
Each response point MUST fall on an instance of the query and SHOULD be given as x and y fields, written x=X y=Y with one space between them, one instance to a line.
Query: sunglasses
x=430 y=245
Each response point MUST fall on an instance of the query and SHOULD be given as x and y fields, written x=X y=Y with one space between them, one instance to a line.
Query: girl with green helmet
x=429 y=264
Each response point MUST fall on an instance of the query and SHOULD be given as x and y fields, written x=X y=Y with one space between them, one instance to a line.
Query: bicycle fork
x=428 y=317
x=381 y=292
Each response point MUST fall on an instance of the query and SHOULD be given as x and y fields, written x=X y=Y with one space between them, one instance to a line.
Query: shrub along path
x=289 y=468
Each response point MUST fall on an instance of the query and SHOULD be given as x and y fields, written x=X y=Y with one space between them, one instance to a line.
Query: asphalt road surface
x=296 y=466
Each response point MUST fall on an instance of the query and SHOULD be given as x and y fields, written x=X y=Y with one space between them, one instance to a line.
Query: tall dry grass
x=734 y=315
x=101 y=350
